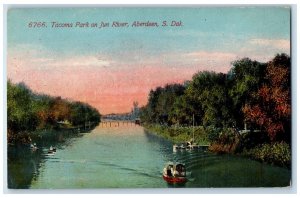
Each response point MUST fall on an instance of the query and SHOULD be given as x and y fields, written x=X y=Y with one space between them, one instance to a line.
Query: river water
x=130 y=157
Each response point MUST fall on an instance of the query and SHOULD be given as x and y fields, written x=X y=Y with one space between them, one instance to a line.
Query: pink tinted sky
x=109 y=89
x=111 y=86
x=111 y=68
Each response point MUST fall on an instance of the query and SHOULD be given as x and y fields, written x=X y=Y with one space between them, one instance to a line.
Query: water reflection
x=24 y=163
x=130 y=157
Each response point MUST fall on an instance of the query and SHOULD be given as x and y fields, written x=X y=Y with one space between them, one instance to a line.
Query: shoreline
x=278 y=153
x=53 y=133
x=179 y=134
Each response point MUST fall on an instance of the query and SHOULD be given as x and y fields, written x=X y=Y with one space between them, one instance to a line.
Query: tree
x=270 y=106
x=246 y=77
x=59 y=110
x=208 y=93
x=135 y=110
x=80 y=113
x=19 y=107
x=27 y=111
x=160 y=104
x=183 y=110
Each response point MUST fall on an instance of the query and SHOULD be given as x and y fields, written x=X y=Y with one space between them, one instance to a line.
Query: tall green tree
x=160 y=104
x=208 y=91
x=246 y=77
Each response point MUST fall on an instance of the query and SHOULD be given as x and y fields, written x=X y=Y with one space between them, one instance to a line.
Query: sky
x=111 y=67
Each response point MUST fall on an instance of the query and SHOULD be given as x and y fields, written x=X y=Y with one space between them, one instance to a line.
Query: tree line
x=253 y=93
x=29 y=111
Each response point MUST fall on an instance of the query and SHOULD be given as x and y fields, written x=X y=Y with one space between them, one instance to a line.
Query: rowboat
x=174 y=173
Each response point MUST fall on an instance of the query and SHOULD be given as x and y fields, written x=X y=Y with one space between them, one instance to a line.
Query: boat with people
x=189 y=145
x=33 y=147
x=174 y=173
x=52 y=150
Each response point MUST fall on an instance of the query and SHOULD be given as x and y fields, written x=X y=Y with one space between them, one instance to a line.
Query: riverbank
x=52 y=134
x=228 y=141
x=29 y=111
x=178 y=134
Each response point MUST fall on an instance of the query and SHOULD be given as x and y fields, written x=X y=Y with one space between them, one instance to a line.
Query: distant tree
x=59 y=110
x=152 y=103
x=41 y=107
x=160 y=104
x=135 y=110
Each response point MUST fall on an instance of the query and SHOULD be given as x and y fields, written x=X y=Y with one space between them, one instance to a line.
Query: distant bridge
x=118 y=123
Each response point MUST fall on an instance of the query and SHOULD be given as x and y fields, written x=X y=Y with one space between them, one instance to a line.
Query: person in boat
x=52 y=149
x=170 y=171
x=179 y=170
x=176 y=173
x=172 y=174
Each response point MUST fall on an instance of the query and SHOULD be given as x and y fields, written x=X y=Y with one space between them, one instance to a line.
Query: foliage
x=252 y=92
x=208 y=90
x=228 y=141
x=205 y=98
x=213 y=133
x=28 y=111
x=161 y=101
x=252 y=140
x=20 y=114
x=179 y=134
x=245 y=78
x=278 y=153
x=227 y=136
x=270 y=106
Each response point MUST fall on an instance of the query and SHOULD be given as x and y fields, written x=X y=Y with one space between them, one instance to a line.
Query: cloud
x=263 y=50
x=212 y=61
x=22 y=61
x=80 y=61
x=204 y=55
x=280 y=44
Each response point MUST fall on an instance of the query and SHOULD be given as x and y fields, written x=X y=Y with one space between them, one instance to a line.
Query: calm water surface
x=130 y=157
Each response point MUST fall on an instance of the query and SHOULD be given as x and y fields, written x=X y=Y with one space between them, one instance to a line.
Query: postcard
x=149 y=97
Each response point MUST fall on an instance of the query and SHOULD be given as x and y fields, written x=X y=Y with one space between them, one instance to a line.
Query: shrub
x=227 y=136
x=213 y=134
x=278 y=153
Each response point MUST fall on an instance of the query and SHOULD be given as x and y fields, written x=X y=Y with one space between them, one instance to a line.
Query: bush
x=278 y=153
x=225 y=141
x=227 y=136
x=213 y=133
x=252 y=140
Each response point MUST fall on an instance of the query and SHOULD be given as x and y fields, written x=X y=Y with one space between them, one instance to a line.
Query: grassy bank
x=177 y=134
x=277 y=153
x=252 y=145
